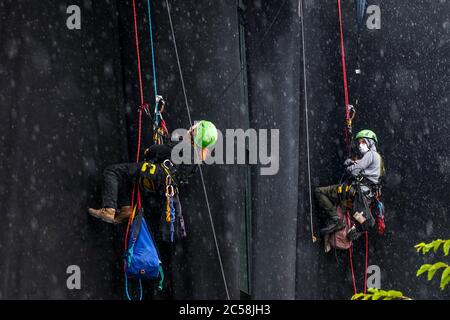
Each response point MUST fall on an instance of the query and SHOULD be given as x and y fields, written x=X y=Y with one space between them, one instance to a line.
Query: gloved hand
x=348 y=162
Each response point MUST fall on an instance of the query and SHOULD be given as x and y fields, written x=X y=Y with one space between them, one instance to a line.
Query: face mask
x=363 y=148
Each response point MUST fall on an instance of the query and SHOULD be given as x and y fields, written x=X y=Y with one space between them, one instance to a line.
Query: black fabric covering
x=68 y=108
x=62 y=122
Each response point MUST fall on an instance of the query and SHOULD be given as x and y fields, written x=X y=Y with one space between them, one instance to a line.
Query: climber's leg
x=114 y=177
x=328 y=199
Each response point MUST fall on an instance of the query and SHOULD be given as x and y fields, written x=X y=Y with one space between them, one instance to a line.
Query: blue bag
x=142 y=259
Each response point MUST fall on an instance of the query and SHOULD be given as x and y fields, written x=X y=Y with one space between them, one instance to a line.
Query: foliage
x=430 y=269
x=377 y=294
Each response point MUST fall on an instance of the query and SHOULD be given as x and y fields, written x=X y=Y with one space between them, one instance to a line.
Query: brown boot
x=105 y=214
x=123 y=215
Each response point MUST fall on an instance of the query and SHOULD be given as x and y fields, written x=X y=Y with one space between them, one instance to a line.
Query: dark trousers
x=328 y=199
x=117 y=184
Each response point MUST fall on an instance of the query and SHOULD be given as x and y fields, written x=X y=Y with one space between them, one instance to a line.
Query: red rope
x=344 y=73
x=138 y=56
x=141 y=93
x=367 y=262
x=350 y=254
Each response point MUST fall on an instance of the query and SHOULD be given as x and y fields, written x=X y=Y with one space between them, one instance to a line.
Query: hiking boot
x=353 y=234
x=333 y=224
x=105 y=214
x=123 y=215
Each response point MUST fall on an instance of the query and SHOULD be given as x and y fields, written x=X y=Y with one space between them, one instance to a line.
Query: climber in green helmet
x=118 y=178
x=368 y=134
x=204 y=134
x=357 y=191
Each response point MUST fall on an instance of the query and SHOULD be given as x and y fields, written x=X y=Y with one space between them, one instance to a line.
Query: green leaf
x=419 y=246
x=377 y=296
x=445 y=278
x=395 y=294
x=423 y=269
x=446 y=247
x=367 y=297
x=427 y=247
x=372 y=290
x=436 y=244
x=435 y=267
x=383 y=292
x=357 y=296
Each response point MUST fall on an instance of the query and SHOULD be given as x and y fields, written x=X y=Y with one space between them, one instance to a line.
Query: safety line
x=200 y=168
x=152 y=47
x=305 y=92
x=150 y=28
x=344 y=75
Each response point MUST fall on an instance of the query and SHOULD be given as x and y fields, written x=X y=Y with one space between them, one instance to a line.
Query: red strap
x=350 y=253
x=366 y=262
x=344 y=74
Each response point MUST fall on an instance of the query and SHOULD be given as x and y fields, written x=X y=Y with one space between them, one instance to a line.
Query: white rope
x=307 y=121
x=200 y=168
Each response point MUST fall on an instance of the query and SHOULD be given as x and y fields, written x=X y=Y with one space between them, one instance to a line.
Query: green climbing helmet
x=369 y=134
x=205 y=134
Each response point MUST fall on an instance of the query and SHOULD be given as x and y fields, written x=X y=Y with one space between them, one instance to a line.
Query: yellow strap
x=168 y=209
x=152 y=167
x=133 y=213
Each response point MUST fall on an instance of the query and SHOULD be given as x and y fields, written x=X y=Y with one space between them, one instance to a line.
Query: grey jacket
x=369 y=165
